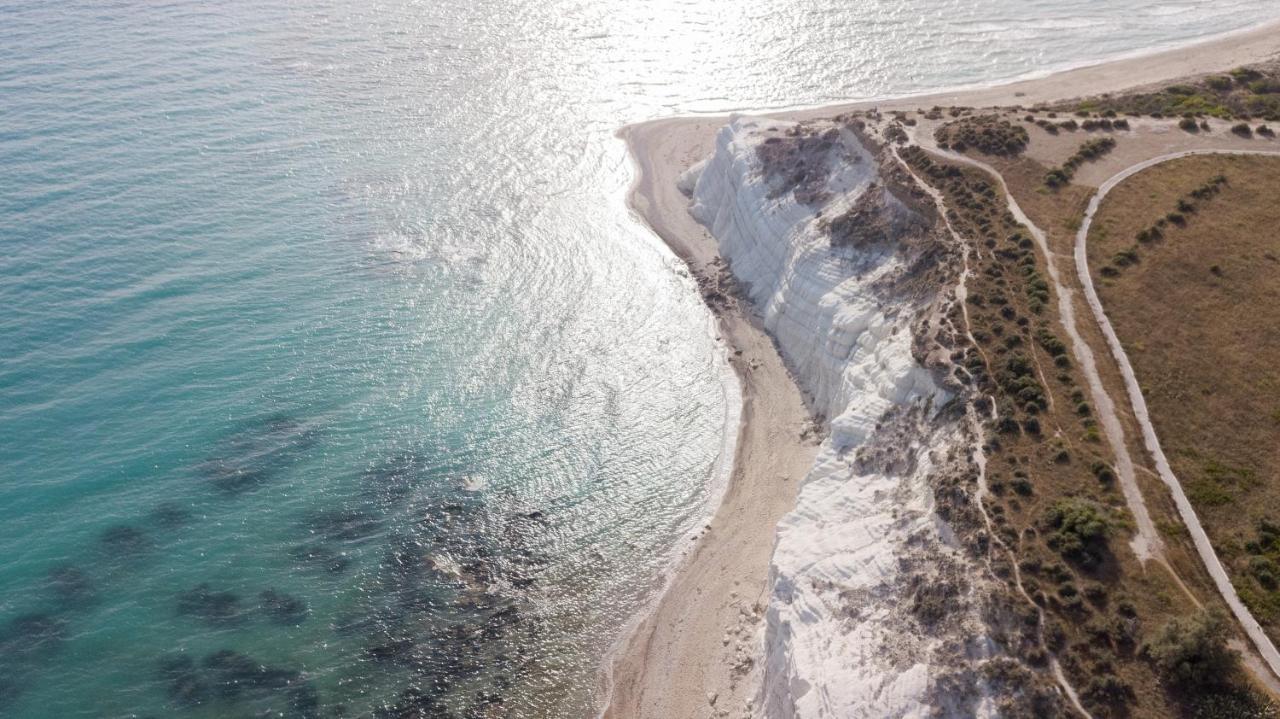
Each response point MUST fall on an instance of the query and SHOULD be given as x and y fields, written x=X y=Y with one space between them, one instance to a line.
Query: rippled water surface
x=336 y=379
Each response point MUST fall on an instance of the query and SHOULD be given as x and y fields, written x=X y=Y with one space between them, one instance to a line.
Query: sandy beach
x=686 y=659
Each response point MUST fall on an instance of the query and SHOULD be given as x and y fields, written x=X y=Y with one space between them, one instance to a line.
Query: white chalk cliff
x=841 y=637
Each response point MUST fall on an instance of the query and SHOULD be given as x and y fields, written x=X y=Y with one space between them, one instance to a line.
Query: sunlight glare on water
x=336 y=378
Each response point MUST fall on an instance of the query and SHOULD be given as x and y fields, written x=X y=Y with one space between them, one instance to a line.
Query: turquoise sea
x=336 y=379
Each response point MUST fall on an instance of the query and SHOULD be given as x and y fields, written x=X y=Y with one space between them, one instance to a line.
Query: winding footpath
x=1146 y=543
x=979 y=454
x=1254 y=630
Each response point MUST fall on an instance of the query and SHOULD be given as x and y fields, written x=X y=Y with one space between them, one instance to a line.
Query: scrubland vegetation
x=1198 y=308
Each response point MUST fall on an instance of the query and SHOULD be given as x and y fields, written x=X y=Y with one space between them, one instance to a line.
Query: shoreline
x=726 y=573
x=678 y=660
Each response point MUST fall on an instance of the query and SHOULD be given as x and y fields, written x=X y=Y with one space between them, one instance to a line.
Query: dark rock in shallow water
x=32 y=634
x=343 y=525
x=234 y=674
x=183 y=684
x=304 y=702
x=393 y=481
x=400 y=651
x=321 y=556
x=231 y=478
x=256 y=455
x=70 y=585
x=171 y=515
x=280 y=608
x=416 y=704
x=202 y=602
x=10 y=690
x=125 y=541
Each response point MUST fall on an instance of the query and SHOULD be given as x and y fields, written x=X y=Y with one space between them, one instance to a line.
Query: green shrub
x=1124 y=258
x=1107 y=689
x=1265 y=86
x=1242 y=129
x=988 y=134
x=1244 y=74
x=1078 y=530
x=1220 y=83
x=1192 y=651
x=1189 y=124
x=1103 y=472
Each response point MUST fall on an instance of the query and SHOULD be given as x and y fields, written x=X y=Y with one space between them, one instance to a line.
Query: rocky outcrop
x=876 y=607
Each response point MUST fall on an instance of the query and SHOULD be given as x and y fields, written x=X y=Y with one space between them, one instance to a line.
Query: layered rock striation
x=880 y=605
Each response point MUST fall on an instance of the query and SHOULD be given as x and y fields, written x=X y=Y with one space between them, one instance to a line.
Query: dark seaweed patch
x=231 y=478
x=124 y=541
x=170 y=515
x=393 y=481
x=343 y=525
x=233 y=675
x=281 y=608
x=32 y=634
x=318 y=555
x=183 y=684
x=70 y=585
x=304 y=702
x=10 y=690
x=218 y=608
x=255 y=456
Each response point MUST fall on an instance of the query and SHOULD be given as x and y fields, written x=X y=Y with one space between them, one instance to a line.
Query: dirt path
x=1251 y=626
x=978 y=450
x=1146 y=542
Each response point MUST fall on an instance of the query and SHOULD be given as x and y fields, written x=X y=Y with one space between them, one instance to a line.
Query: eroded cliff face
x=879 y=603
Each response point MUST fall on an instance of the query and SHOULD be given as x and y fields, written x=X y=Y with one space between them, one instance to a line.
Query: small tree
x=1192 y=651
x=1078 y=529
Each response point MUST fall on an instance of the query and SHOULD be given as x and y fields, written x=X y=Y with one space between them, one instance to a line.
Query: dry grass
x=1099 y=607
x=1199 y=314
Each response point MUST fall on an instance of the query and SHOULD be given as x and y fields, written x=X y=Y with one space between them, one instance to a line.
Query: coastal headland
x=702 y=649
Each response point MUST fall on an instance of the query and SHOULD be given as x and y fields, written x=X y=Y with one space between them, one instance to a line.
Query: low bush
x=1192 y=651
x=1088 y=151
x=1078 y=530
x=987 y=134
x=1107 y=689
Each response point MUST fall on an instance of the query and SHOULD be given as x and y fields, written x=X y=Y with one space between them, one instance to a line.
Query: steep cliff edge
x=879 y=604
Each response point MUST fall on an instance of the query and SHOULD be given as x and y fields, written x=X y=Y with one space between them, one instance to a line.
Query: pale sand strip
x=677 y=655
x=677 y=659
